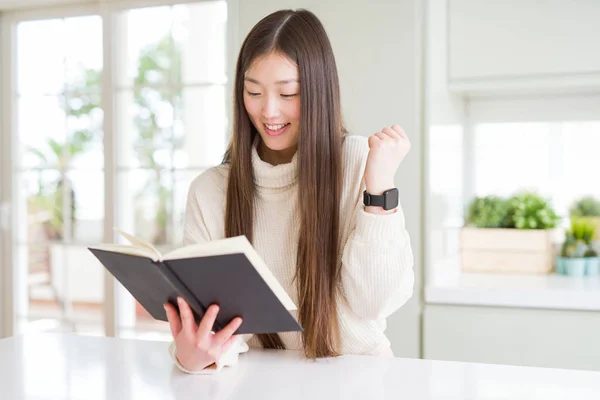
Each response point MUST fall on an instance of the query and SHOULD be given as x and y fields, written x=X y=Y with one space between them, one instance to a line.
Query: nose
x=270 y=107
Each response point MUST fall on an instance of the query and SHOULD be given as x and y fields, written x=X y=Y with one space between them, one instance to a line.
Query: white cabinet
x=524 y=44
x=516 y=336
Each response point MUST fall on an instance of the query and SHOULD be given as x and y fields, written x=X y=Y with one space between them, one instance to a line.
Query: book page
x=137 y=242
x=213 y=248
x=127 y=249
x=238 y=244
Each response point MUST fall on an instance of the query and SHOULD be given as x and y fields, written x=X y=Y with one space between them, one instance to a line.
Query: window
x=556 y=159
x=170 y=124
x=547 y=144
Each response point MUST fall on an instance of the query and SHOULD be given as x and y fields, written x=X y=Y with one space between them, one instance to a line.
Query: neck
x=276 y=157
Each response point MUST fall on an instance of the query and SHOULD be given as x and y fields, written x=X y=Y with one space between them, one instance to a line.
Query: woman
x=319 y=205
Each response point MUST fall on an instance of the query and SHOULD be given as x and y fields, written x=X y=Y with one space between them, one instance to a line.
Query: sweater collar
x=273 y=176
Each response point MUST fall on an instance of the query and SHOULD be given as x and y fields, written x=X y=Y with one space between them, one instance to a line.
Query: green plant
x=578 y=240
x=585 y=207
x=529 y=210
x=572 y=248
x=583 y=232
x=487 y=212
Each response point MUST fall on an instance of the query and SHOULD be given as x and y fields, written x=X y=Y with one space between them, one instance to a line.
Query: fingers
x=376 y=138
x=174 y=320
x=390 y=133
x=398 y=129
x=226 y=333
x=206 y=325
x=228 y=343
x=187 y=319
x=373 y=140
x=381 y=135
x=395 y=132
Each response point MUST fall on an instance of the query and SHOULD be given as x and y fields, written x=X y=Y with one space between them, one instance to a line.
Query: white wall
x=378 y=52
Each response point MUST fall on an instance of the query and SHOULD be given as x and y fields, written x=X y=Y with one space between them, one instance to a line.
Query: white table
x=56 y=366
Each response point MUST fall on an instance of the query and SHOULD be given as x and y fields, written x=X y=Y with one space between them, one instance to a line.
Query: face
x=272 y=100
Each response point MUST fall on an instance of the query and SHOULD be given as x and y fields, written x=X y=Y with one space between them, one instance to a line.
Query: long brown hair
x=301 y=37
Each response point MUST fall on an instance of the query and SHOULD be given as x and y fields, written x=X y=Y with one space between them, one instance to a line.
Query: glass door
x=156 y=77
x=58 y=175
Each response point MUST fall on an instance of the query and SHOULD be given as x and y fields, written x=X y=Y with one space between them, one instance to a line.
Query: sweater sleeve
x=227 y=359
x=197 y=231
x=377 y=264
x=377 y=259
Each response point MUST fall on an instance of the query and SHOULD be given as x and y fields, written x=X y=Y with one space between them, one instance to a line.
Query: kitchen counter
x=448 y=285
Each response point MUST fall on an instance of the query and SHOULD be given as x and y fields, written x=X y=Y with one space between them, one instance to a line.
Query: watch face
x=391 y=199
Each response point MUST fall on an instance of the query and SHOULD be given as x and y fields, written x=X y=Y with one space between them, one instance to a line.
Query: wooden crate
x=507 y=250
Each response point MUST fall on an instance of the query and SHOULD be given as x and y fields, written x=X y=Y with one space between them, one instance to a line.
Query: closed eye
x=289 y=96
x=252 y=93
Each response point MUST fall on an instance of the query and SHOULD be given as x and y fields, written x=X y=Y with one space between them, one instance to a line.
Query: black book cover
x=229 y=280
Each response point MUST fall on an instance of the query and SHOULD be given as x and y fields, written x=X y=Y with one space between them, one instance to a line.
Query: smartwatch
x=388 y=200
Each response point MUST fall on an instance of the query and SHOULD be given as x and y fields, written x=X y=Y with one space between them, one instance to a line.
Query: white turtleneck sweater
x=377 y=260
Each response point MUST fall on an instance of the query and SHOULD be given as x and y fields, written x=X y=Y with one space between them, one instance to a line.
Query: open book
x=228 y=272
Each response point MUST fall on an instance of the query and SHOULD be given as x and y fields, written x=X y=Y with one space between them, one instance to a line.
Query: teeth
x=275 y=127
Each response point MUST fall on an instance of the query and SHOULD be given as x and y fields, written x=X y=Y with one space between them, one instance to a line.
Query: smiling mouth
x=275 y=130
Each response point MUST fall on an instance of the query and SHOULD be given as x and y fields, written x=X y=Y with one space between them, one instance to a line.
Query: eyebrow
x=282 y=82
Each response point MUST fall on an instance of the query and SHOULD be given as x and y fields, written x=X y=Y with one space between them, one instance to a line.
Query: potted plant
x=592 y=262
x=577 y=256
x=509 y=235
x=587 y=208
x=587 y=231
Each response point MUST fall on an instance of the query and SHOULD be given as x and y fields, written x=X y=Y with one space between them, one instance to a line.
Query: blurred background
x=109 y=109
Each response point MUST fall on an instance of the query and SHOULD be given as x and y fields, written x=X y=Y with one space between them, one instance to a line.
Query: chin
x=277 y=143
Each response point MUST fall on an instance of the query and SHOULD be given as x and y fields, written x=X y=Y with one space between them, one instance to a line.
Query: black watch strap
x=388 y=200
